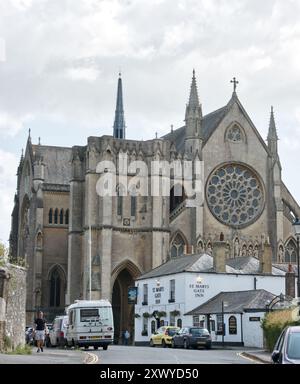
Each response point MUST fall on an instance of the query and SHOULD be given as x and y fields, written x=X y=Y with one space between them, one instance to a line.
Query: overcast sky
x=59 y=63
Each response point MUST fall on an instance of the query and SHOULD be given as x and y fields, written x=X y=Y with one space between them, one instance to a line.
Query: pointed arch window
x=291 y=251
x=232 y=325
x=56 y=216
x=67 y=217
x=133 y=204
x=120 y=194
x=50 y=216
x=61 y=216
x=55 y=288
x=177 y=247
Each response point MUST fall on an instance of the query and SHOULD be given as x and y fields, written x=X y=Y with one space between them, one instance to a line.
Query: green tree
x=3 y=253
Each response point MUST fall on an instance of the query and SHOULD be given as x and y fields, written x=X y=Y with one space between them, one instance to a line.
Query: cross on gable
x=235 y=83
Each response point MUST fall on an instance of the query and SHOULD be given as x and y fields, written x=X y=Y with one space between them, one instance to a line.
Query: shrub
x=274 y=323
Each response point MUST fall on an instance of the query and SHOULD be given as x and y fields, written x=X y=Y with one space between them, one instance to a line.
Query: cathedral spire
x=193 y=112
x=272 y=134
x=119 y=123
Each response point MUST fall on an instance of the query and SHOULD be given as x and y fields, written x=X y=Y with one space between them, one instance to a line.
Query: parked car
x=163 y=336
x=287 y=347
x=57 y=335
x=192 y=337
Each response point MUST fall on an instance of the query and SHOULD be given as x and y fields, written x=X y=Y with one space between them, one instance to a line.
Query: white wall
x=253 y=333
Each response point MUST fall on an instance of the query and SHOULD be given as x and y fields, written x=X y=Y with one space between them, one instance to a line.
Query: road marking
x=91 y=358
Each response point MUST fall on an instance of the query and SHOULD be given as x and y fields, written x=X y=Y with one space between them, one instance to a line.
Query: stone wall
x=12 y=305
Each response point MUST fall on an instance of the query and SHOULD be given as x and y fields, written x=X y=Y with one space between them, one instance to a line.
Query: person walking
x=39 y=331
x=126 y=336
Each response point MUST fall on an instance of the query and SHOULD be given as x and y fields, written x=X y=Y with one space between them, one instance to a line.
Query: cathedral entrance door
x=122 y=311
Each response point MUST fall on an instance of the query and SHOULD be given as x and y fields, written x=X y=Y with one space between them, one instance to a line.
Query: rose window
x=235 y=195
x=234 y=134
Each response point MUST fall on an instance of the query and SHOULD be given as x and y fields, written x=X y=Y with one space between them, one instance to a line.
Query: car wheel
x=95 y=347
x=208 y=346
x=105 y=347
x=185 y=344
x=173 y=344
x=163 y=344
x=151 y=343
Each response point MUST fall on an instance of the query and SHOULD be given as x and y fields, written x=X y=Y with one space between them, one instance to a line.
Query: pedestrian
x=126 y=336
x=39 y=331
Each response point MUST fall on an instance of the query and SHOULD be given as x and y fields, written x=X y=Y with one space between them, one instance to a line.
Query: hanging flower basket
x=146 y=315
x=175 y=313
x=137 y=316
x=161 y=314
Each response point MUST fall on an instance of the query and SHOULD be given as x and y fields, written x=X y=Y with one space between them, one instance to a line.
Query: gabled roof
x=204 y=263
x=210 y=123
x=236 y=302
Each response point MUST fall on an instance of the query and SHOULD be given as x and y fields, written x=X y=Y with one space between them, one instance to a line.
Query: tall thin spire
x=272 y=134
x=119 y=123
x=193 y=112
x=194 y=99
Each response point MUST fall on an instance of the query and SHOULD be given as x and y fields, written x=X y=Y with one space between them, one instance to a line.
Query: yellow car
x=163 y=336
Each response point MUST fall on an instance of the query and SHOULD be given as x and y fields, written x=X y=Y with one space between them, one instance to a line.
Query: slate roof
x=57 y=162
x=209 y=124
x=285 y=268
x=204 y=263
x=236 y=302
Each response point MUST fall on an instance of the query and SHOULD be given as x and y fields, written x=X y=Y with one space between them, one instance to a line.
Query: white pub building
x=206 y=291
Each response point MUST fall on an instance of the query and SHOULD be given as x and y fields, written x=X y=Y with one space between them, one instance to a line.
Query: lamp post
x=224 y=304
x=296 y=226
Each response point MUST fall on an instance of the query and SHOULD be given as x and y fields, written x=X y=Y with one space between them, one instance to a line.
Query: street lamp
x=296 y=226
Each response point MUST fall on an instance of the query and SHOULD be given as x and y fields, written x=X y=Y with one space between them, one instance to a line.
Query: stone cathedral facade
x=61 y=226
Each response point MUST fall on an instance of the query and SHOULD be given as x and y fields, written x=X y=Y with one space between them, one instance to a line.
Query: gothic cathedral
x=66 y=232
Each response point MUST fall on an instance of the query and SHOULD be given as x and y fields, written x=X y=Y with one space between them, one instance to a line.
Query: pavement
x=49 y=356
x=261 y=356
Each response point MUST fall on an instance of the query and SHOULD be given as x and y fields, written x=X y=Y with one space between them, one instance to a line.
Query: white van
x=90 y=324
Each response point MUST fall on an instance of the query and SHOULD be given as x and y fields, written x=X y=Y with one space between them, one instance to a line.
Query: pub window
x=153 y=326
x=145 y=326
x=172 y=291
x=212 y=325
x=196 y=321
x=172 y=320
x=219 y=324
x=56 y=216
x=51 y=216
x=232 y=325
x=145 y=294
x=179 y=323
x=61 y=216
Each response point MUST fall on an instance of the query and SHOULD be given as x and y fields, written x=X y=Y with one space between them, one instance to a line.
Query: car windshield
x=199 y=332
x=293 y=349
x=172 y=331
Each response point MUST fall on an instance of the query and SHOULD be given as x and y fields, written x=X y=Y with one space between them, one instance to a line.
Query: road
x=146 y=355
x=129 y=355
